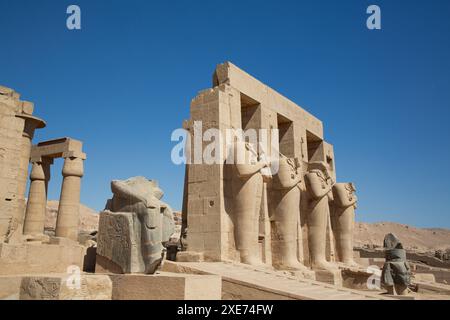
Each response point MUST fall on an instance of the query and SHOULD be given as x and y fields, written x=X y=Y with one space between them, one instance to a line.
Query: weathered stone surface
x=166 y=286
x=233 y=211
x=133 y=229
x=17 y=127
x=396 y=274
x=36 y=257
x=55 y=287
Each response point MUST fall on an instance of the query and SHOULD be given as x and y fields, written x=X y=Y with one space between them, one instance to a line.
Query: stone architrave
x=133 y=227
x=343 y=220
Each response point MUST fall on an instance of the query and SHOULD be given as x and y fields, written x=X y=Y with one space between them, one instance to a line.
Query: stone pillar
x=30 y=125
x=69 y=202
x=37 y=200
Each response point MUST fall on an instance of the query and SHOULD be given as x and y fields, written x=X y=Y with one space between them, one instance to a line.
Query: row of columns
x=69 y=202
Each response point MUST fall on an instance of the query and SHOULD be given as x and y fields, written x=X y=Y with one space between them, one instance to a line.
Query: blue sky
x=124 y=82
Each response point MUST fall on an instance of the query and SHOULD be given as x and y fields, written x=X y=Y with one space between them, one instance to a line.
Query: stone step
x=241 y=279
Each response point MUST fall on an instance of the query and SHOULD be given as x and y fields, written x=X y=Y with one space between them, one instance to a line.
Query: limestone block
x=37 y=257
x=333 y=277
x=27 y=107
x=117 y=241
x=425 y=277
x=190 y=256
x=166 y=286
x=55 y=287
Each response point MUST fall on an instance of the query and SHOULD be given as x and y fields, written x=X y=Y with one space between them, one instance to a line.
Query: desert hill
x=431 y=239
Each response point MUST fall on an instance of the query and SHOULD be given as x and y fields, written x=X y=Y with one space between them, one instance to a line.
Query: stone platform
x=55 y=287
x=165 y=286
x=244 y=282
x=37 y=257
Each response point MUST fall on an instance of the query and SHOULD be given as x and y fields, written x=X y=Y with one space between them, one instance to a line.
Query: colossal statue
x=396 y=274
x=343 y=219
x=285 y=214
x=247 y=186
x=319 y=185
x=142 y=221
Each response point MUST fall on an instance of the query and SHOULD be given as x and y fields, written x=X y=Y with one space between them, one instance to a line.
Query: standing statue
x=343 y=214
x=285 y=214
x=247 y=186
x=396 y=274
x=134 y=226
x=319 y=185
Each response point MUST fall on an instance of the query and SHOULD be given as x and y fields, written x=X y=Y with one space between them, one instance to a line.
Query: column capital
x=37 y=171
x=73 y=167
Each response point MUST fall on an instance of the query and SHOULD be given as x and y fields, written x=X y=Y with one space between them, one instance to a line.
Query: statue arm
x=314 y=187
x=291 y=182
x=247 y=170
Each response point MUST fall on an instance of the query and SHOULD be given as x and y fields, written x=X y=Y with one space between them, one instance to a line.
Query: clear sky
x=124 y=82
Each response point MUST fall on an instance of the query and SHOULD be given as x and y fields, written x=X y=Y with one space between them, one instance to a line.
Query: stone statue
x=285 y=214
x=141 y=220
x=247 y=185
x=396 y=274
x=344 y=205
x=319 y=185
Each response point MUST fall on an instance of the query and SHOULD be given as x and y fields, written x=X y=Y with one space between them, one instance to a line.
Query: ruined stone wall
x=238 y=100
x=11 y=180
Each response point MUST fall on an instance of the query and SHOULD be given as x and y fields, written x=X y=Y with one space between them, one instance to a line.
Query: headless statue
x=319 y=185
x=344 y=206
x=285 y=214
x=247 y=184
x=396 y=274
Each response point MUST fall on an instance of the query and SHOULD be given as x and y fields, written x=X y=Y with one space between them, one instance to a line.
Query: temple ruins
x=263 y=215
x=233 y=213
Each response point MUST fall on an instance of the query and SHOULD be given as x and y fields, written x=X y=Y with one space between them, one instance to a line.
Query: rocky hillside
x=423 y=240
x=88 y=217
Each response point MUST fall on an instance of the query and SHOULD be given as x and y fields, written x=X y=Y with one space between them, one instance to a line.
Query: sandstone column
x=69 y=202
x=30 y=125
x=37 y=200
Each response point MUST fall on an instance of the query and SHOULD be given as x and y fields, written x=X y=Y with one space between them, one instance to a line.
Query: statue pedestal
x=190 y=256
x=37 y=257
x=166 y=286
x=55 y=287
x=333 y=277
x=356 y=278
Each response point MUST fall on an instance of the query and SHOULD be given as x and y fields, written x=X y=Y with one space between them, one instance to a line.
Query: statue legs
x=284 y=231
x=317 y=226
x=344 y=219
x=246 y=208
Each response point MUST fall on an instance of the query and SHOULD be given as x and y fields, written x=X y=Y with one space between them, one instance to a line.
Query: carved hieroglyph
x=343 y=219
x=134 y=226
x=319 y=185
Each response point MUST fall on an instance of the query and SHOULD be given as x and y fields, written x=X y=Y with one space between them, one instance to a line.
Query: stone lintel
x=58 y=148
